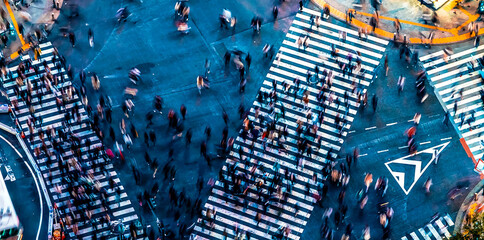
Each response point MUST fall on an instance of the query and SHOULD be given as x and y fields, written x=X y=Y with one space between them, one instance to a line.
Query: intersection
x=169 y=64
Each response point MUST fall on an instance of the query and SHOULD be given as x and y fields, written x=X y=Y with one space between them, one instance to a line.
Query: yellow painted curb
x=15 y=54
x=389 y=35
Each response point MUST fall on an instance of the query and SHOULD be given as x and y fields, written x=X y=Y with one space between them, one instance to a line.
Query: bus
x=10 y=227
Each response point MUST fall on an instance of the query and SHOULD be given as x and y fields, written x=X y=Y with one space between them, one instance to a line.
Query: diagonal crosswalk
x=438 y=229
x=457 y=80
x=103 y=193
x=285 y=211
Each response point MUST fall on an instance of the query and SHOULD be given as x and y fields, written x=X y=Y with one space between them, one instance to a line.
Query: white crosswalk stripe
x=438 y=230
x=457 y=80
x=262 y=163
x=44 y=105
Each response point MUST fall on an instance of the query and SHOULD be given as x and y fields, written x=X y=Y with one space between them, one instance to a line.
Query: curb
x=337 y=14
x=7 y=128
x=465 y=205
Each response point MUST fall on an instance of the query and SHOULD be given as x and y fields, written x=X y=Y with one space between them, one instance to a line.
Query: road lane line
x=382 y=151
x=369 y=128
x=443 y=139
x=391 y=124
x=422 y=143
x=36 y=184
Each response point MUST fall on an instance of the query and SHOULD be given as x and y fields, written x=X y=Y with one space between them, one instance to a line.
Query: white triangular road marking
x=400 y=176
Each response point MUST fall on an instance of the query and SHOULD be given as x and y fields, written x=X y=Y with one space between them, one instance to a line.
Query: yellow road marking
x=380 y=32
x=15 y=54
x=466 y=12
x=406 y=22
x=14 y=21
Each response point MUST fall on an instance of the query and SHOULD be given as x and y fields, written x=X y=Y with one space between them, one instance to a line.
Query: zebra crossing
x=438 y=229
x=233 y=216
x=120 y=207
x=458 y=81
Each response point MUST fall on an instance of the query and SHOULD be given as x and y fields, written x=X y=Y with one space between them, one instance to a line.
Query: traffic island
x=410 y=21
x=472 y=205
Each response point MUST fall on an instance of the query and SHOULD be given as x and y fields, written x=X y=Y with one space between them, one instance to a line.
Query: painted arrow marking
x=410 y=160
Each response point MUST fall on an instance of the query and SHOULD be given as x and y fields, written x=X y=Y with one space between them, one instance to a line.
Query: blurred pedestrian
x=275 y=12
x=90 y=37
x=72 y=39
x=183 y=111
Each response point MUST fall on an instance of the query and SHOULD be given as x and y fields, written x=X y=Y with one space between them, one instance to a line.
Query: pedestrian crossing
x=458 y=82
x=285 y=212
x=436 y=230
x=101 y=198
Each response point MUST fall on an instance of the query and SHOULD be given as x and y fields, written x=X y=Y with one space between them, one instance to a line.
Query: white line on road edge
x=36 y=184
x=382 y=151
x=422 y=143
x=443 y=139
x=391 y=124
x=42 y=184
x=369 y=128
x=402 y=147
x=8 y=129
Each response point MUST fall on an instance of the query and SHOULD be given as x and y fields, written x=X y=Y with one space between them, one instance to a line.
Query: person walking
x=446 y=119
x=96 y=83
x=397 y=25
x=72 y=39
x=427 y=184
x=275 y=12
x=436 y=156
x=203 y=149
x=248 y=60
x=183 y=111
x=400 y=84
x=202 y=83
x=153 y=137
x=188 y=137
x=227 y=57
x=90 y=37
x=82 y=76
x=386 y=66
x=416 y=118
x=374 y=102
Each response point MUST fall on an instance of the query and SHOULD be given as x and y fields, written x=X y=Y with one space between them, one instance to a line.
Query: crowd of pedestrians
x=78 y=159
x=73 y=158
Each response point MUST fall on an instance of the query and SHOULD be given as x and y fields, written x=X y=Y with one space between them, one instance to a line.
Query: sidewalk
x=453 y=19
x=474 y=202
x=32 y=14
